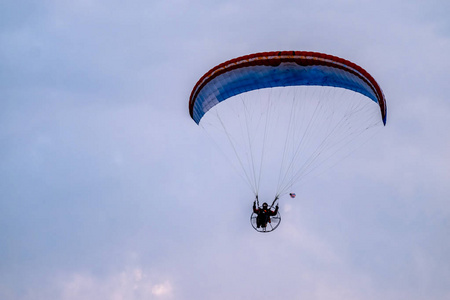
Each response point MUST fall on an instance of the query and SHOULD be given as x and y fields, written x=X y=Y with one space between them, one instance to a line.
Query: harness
x=273 y=203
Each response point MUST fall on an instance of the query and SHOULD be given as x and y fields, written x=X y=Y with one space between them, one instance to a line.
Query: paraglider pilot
x=264 y=213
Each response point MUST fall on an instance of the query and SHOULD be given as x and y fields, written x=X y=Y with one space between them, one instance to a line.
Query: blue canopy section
x=241 y=80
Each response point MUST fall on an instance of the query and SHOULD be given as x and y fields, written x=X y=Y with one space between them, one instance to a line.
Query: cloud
x=128 y=284
x=161 y=290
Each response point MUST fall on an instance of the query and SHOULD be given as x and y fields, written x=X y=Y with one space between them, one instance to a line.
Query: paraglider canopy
x=280 y=68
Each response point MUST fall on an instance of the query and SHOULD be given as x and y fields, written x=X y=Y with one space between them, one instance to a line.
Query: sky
x=109 y=190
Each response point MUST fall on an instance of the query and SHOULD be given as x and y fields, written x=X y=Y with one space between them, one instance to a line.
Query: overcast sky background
x=108 y=190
